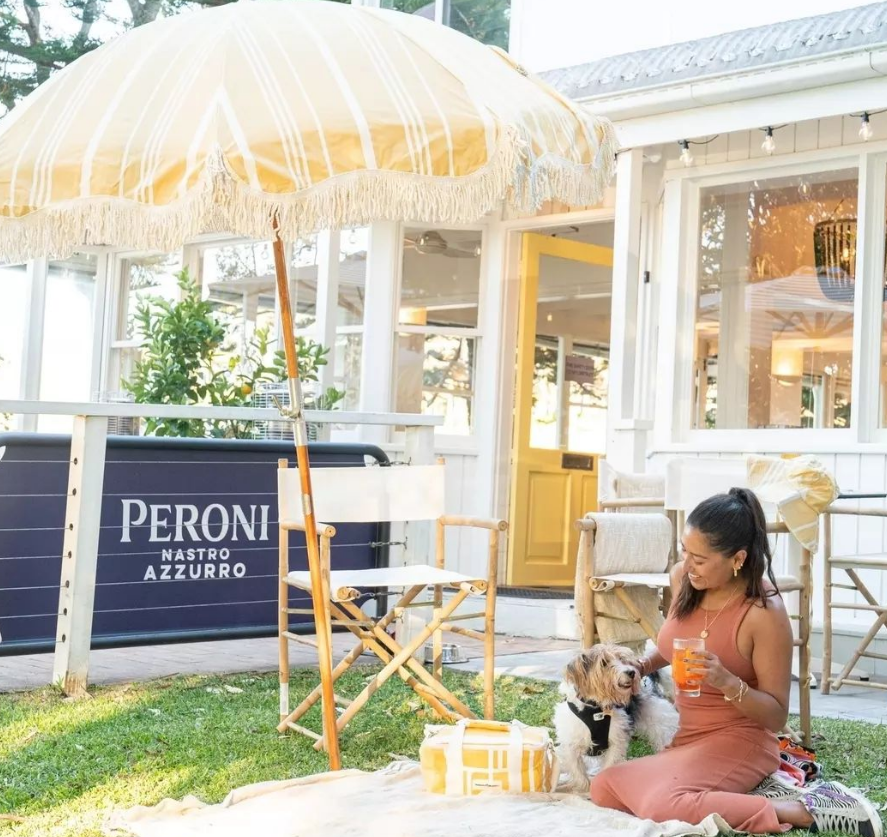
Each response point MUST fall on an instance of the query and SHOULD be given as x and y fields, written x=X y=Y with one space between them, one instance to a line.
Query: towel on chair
x=801 y=488
x=627 y=543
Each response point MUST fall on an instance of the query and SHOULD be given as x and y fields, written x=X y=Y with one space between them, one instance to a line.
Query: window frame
x=679 y=265
x=458 y=442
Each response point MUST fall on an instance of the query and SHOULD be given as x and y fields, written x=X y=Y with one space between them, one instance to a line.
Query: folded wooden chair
x=864 y=600
x=383 y=494
x=614 y=590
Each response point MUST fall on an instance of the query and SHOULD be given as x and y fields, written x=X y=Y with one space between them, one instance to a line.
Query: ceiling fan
x=432 y=243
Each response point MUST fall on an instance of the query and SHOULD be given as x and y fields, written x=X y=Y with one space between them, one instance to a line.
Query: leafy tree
x=38 y=37
x=484 y=20
x=185 y=360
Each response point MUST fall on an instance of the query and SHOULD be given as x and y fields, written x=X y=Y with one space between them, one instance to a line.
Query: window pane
x=435 y=376
x=353 y=246
x=774 y=321
x=239 y=280
x=147 y=276
x=303 y=283
x=486 y=21
x=349 y=355
x=67 y=336
x=13 y=318
x=441 y=277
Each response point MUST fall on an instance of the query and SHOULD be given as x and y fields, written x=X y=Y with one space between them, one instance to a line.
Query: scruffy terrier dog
x=606 y=701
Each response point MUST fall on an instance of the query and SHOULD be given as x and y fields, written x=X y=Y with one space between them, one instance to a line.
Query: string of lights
x=768 y=146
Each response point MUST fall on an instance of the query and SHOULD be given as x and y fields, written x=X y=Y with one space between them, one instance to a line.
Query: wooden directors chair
x=628 y=592
x=855 y=567
x=383 y=494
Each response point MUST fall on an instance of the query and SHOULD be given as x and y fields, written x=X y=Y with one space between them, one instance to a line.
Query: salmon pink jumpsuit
x=718 y=754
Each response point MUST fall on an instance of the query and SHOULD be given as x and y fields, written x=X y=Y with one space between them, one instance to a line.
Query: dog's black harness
x=598 y=722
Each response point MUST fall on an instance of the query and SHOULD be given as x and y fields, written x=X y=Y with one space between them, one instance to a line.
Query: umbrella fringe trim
x=220 y=203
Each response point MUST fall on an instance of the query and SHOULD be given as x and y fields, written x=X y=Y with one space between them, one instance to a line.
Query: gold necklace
x=704 y=632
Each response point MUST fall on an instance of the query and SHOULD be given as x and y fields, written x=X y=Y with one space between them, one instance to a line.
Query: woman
x=724 y=591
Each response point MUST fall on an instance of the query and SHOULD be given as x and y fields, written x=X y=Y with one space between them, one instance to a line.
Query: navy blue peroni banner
x=188 y=546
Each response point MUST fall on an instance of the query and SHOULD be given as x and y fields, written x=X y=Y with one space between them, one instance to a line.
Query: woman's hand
x=705 y=666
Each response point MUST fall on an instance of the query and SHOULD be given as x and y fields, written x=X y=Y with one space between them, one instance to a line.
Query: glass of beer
x=684 y=682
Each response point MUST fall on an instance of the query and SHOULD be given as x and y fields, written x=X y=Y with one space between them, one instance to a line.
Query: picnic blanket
x=388 y=803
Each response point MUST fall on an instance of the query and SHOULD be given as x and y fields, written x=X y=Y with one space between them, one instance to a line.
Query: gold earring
x=735 y=571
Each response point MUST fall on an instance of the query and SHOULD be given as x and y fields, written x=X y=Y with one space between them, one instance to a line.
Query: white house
x=727 y=296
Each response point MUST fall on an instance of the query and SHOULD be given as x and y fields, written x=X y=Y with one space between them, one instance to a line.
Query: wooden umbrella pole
x=300 y=433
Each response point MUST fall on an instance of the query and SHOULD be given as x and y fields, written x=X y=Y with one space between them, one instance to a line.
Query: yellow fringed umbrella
x=275 y=119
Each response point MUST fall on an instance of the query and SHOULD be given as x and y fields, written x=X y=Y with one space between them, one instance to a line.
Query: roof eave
x=855 y=65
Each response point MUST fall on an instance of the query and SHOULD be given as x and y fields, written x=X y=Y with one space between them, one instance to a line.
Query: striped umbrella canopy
x=275 y=119
x=319 y=115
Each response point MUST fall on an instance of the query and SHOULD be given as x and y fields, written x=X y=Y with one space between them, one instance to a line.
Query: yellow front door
x=560 y=401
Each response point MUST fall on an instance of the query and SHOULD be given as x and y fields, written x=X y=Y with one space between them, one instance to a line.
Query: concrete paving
x=543 y=659
x=857 y=703
x=229 y=656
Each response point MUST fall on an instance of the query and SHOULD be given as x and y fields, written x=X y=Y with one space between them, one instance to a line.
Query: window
x=348 y=351
x=304 y=271
x=240 y=281
x=437 y=338
x=66 y=367
x=13 y=318
x=141 y=277
x=486 y=21
x=774 y=309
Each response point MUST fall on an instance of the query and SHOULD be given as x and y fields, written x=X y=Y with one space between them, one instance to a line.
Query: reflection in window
x=437 y=325
x=147 y=276
x=774 y=321
x=67 y=336
x=353 y=247
x=239 y=280
x=436 y=372
x=486 y=21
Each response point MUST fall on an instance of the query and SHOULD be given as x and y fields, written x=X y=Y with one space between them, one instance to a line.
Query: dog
x=606 y=701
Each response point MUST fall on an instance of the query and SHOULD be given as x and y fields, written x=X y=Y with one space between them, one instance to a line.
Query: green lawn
x=64 y=764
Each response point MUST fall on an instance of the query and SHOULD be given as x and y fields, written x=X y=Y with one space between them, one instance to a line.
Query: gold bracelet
x=737 y=698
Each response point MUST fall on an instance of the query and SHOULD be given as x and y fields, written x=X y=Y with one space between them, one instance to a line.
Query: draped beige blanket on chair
x=625 y=544
x=388 y=803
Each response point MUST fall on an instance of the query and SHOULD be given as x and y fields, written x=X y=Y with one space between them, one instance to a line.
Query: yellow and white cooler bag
x=473 y=756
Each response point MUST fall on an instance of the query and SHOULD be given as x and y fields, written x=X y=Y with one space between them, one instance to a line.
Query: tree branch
x=33 y=27
x=90 y=13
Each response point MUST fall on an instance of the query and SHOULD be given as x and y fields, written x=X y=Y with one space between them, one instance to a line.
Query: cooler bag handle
x=455 y=777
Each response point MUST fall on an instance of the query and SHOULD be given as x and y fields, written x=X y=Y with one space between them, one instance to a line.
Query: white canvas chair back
x=630 y=543
x=690 y=481
x=364 y=495
x=621 y=485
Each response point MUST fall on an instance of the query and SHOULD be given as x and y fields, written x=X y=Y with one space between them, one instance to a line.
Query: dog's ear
x=578 y=668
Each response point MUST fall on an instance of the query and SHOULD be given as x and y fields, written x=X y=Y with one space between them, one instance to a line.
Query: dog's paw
x=574 y=784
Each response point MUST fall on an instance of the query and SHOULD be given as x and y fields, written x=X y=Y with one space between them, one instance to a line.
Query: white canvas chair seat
x=344 y=584
x=604 y=583
x=404 y=494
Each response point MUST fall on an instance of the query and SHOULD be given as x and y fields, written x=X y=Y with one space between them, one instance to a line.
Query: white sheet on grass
x=388 y=803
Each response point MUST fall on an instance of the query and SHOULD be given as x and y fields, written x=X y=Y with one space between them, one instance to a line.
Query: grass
x=64 y=764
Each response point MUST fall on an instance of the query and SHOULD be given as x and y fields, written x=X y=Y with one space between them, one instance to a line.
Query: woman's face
x=706 y=569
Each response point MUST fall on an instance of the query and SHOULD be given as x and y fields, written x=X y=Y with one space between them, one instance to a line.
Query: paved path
x=149 y=662
x=517 y=656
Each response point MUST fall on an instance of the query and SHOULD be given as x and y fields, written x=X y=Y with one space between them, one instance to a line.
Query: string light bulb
x=866 y=132
x=768 y=146
x=686 y=154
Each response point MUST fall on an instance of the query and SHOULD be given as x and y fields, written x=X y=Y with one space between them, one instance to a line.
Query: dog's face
x=606 y=674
